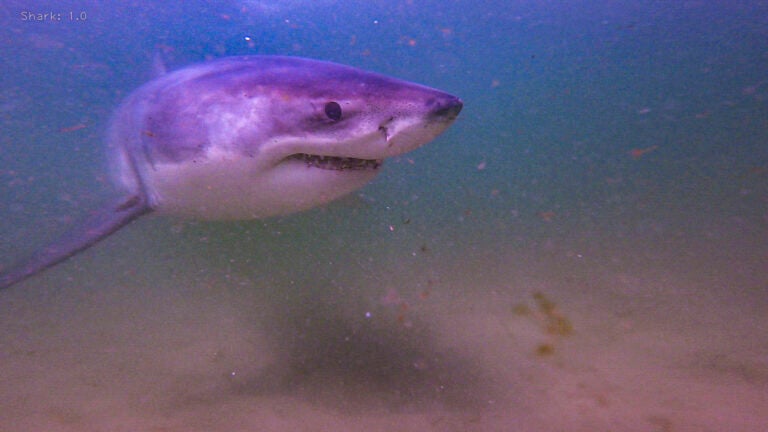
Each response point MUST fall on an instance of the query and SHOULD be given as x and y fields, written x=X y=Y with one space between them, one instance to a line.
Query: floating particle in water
x=521 y=309
x=547 y=216
x=702 y=115
x=555 y=322
x=73 y=128
x=559 y=325
x=545 y=304
x=637 y=153
x=546 y=314
x=545 y=350
x=392 y=297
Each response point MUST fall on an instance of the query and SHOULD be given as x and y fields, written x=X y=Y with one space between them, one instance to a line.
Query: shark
x=250 y=137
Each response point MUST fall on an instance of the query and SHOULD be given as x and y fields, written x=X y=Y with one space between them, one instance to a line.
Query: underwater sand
x=206 y=327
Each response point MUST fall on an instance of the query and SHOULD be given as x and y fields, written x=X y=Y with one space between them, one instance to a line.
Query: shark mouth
x=336 y=163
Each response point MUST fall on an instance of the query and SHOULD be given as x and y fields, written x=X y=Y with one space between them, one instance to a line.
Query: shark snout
x=427 y=120
x=445 y=108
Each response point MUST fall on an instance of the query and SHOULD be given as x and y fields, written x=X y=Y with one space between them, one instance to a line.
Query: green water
x=584 y=249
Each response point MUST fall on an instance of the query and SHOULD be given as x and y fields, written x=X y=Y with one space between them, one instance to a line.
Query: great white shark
x=250 y=137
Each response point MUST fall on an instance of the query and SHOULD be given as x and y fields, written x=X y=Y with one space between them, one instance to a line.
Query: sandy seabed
x=577 y=336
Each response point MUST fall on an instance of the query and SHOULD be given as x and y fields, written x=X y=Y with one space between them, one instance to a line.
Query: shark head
x=251 y=137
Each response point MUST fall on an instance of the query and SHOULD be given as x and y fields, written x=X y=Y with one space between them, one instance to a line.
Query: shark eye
x=333 y=110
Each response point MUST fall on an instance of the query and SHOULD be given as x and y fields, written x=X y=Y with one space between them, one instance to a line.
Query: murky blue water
x=584 y=249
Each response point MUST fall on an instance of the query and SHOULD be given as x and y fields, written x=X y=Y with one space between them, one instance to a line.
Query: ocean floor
x=159 y=333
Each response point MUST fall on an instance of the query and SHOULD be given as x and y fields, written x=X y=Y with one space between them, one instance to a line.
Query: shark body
x=251 y=137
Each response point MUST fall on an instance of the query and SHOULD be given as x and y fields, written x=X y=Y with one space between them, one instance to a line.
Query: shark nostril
x=448 y=109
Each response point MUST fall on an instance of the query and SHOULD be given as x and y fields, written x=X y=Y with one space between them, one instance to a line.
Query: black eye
x=333 y=111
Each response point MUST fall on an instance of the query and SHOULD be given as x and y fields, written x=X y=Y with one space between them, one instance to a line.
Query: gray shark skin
x=251 y=137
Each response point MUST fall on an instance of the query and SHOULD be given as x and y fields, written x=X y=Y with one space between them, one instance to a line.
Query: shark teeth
x=337 y=163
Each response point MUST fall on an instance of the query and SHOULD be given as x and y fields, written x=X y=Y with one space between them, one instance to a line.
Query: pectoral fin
x=96 y=227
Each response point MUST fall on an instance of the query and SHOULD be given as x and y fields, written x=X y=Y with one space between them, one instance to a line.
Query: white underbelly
x=238 y=188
